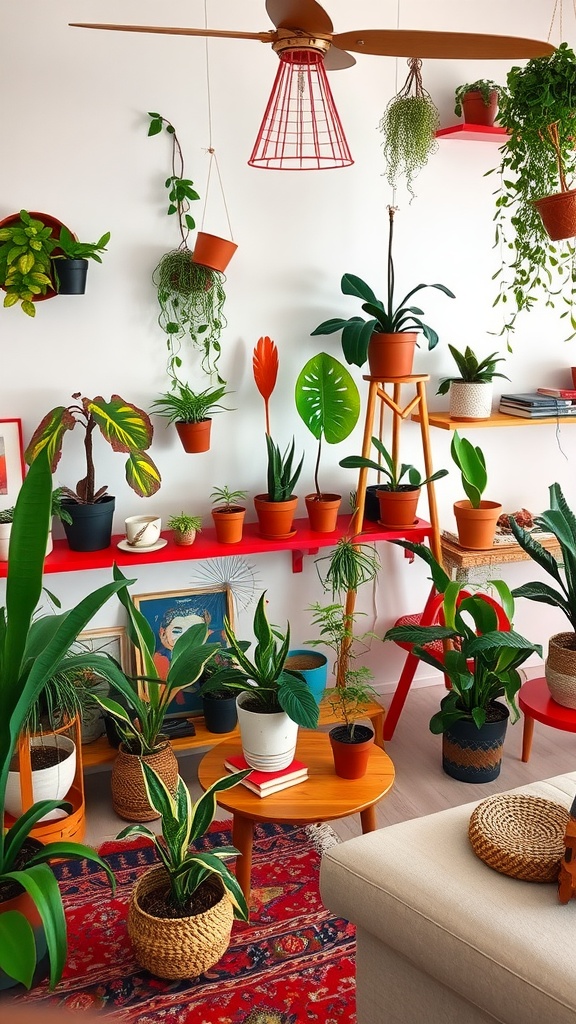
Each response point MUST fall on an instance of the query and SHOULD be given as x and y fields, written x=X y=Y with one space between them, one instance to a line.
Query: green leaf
x=142 y=474
x=327 y=398
x=17 y=947
x=41 y=885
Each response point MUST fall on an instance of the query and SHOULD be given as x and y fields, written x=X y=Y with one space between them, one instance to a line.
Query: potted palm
x=228 y=514
x=70 y=261
x=26 y=246
x=481 y=666
x=273 y=700
x=181 y=912
x=478 y=101
x=328 y=402
x=409 y=127
x=184 y=528
x=476 y=517
x=277 y=507
x=559 y=520
x=127 y=429
x=471 y=392
x=192 y=413
x=389 y=338
x=398 y=501
x=31 y=913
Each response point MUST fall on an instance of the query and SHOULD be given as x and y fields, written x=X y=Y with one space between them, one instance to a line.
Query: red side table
x=536 y=703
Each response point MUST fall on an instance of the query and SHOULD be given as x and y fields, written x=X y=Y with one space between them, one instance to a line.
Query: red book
x=267 y=781
x=558 y=392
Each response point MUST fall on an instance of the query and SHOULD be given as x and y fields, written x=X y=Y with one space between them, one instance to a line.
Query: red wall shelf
x=473 y=133
x=304 y=542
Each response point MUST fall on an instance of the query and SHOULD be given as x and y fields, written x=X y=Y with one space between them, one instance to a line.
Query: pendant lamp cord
x=211 y=151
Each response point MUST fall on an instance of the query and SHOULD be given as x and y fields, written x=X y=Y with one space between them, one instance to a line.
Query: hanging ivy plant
x=409 y=126
x=191 y=296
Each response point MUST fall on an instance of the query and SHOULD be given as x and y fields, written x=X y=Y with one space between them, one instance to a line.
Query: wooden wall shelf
x=497 y=419
x=473 y=133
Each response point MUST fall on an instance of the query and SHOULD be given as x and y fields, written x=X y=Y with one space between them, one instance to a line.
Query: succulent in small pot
x=478 y=102
x=185 y=528
x=388 y=339
x=276 y=508
x=191 y=411
x=471 y=392
x=228 y=514
x=476 y=517
x=70 y=261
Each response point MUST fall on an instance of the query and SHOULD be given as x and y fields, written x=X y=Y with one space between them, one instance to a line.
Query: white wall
x=75 y=145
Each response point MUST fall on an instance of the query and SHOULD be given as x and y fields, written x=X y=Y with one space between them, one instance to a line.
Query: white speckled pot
x=470 y=401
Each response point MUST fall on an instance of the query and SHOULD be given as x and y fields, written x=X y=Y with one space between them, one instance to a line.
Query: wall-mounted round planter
x=49 y=222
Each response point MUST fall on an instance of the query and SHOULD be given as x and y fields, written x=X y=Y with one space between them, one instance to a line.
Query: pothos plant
x=409 y=126
x=191 y=296
x=538 y=159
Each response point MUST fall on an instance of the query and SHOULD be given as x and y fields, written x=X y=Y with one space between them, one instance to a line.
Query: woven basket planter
x=127 y=781
x=520 y=836
x=560 y=669
x=181 y=947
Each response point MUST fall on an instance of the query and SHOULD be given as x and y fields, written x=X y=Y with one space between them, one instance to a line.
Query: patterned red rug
x=293 y=963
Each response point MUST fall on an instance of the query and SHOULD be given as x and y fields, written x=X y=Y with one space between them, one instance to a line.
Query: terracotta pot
x=476 y=526
x=129 y=798
x=470 y=400
x=275 y=518
x=398 y=508
x=475 y=111
x=351 y=757
x=178 y=947
x=229 y=524
x=323 y=511
x=195 y=437
x=212 y=251
x=472 y=754
x=391 y=355
x=560 y=669
x=558 y=213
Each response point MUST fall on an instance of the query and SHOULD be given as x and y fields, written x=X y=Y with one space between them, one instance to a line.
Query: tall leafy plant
x=328 y=402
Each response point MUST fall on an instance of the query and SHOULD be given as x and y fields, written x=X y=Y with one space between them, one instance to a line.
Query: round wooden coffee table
x=323 y=797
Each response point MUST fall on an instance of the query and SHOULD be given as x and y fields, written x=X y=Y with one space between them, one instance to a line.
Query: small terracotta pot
x=323 y=511
x=558 y=213
x=212 y=251
x=476 y=526
x=275 y=518
x=351 y=758
x=391 y=355
x=398 y=508
x=195 y=437
x=229 y=524
x=476 y=111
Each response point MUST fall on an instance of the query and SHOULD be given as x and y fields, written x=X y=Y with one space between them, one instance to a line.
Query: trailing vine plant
x=191 y=296
x=537 y=108
x=409 y=126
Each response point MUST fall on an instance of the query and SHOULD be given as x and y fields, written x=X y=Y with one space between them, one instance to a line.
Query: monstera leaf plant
x=328 y=401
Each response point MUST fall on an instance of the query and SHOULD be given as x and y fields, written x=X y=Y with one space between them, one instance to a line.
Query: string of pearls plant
x=409 y=126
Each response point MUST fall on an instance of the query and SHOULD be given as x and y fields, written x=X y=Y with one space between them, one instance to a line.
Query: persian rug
x=293 y=963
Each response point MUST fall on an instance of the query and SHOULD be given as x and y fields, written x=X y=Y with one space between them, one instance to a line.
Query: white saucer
x=140 y=549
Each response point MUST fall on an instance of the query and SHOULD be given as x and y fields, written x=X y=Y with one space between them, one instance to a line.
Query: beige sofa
x=444 y=939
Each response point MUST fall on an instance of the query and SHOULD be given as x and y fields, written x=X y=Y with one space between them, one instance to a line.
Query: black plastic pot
x=91 y=526
x=220 y=713
x=70 y=276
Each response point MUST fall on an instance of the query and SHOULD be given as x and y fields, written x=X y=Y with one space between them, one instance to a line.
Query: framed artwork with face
x=170 y=614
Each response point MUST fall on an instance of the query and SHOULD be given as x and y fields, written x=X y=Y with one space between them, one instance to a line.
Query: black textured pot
x=220 y=713
x=91 y=526
x=70 y=276
x=470 y=754
x=371 y=504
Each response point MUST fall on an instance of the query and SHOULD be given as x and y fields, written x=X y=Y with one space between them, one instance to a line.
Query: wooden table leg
x=527 y=735
x=368 y=819
x=377 y=721
x=242 y=838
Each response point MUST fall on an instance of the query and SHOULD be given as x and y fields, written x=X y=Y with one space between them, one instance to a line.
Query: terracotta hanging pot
x=470 y=400
x=323 y=511
x=195 y=437
x=275 y=518
x=398 y=508
x=229 y=524
x=476 y=111
x=391 y=355
x=351 y=755
x=560 y=669
x=212 y=251
x=558 y=213
x=476 y=526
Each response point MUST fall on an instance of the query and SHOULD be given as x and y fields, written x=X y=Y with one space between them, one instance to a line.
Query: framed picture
x=111 y=640
x=11 y=462
x=171 y=614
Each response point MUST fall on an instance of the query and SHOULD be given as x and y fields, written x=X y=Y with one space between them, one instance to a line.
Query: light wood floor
x=421 y=787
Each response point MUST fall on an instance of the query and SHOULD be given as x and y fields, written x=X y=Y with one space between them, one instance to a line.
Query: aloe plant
x=282 y=477
x=328 y=402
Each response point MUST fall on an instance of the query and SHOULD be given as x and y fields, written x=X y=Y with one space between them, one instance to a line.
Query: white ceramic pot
x=5 y=529
x=47 y=783
x=268 y=741
x=470 y=400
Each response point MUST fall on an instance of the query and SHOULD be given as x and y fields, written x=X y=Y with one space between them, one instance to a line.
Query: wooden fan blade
x=306 y=15
x=165 y=30
x=337 y=59
x=444 y=45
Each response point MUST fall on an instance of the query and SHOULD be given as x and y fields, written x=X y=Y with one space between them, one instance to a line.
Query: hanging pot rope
x=210 y=150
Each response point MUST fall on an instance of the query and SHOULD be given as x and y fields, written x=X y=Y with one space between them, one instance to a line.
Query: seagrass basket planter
x=560 y=669
x=181 y=947
x=129 y=798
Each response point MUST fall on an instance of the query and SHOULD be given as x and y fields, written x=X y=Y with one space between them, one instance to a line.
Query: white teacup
x=142 y=531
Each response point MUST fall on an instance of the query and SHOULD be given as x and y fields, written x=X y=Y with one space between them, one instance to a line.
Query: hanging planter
x=409 y=125
x=213 y=252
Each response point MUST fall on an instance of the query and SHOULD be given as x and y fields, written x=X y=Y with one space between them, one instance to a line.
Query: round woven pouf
x=521 y=836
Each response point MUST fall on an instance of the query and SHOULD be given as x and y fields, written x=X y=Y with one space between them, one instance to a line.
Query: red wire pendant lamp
x=301 y=129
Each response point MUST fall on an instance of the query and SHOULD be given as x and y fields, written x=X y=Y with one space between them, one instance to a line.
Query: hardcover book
x=542 y=412
x=267 y=782
x=558 y=392
x=533 y=398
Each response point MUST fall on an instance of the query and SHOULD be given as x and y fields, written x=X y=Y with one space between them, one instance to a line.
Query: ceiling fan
x=301 y=129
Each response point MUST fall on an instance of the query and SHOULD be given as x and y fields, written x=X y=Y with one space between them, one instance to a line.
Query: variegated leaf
x=142 y=474
x=126 y=427
x=49 y=434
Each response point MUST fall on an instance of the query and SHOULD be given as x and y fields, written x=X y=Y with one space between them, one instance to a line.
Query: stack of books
x=536 y=405
x=266 y=783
